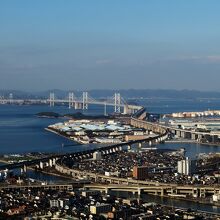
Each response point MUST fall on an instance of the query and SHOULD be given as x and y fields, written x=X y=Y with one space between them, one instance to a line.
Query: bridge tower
x=117 y=102
x=52 y=99
x=2 y=100
x=85 y=100
x=71 y=99
x=10 y=98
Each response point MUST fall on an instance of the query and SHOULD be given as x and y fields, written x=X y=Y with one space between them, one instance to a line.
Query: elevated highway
x=180 y=133
x=172 y=190
x=40 y=186
x=84 y=154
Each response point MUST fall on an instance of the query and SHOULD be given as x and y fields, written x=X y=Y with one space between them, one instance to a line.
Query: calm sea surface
x=21 y=131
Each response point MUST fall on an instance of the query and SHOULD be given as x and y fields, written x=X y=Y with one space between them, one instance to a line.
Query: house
x=16 y=211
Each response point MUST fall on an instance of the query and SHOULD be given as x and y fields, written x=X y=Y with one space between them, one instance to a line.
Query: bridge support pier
x=107 y=191
x=214 y=138
x=126 y=110
x=50 y=162
x=139 y=192
x=162 y=192
x=173 y=132
x=182 y=134
x=194 y=136
x=24 y=169
x=173 y=191
x=200 y=136
x=202 y=193
x=77 y=105
x=178 y=133
x=41 y=165
x=188 y=135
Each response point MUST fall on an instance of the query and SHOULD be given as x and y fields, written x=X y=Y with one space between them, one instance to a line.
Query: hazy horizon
x=84 y=45
x=107 y=89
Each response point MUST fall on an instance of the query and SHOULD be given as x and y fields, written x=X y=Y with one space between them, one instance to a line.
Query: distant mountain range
x=130 y=93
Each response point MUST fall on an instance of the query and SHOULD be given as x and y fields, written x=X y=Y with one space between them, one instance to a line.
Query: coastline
x=188 y=141
x=61 y=135
x=182 y=141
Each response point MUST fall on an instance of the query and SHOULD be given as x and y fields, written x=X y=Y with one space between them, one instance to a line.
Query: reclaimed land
x=61 y=134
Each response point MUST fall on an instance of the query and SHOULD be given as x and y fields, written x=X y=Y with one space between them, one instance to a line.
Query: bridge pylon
x=10 y=98
x=2 y=100
x=117 y=102
x=85 y=100
x=52 y=99
x=72 y=100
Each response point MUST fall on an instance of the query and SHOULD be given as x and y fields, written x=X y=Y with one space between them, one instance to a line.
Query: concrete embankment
x=58 y=133
x=188 y=141
x=182 y=141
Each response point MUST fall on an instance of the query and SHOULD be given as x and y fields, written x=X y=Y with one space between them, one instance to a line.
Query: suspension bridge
x=116 y=101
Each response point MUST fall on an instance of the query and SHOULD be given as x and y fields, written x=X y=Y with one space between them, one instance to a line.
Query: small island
x=76 y=116
x=48 y=115
x=79 y=116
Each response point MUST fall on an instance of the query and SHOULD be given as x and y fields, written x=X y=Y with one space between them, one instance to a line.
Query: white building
x=54 y=203
x=216 y=197
x=186 y=167
x=59 y=203
x=108 y=140
x=97 y=155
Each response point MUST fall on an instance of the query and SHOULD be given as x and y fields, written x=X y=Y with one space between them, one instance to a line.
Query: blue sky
x=84 y=44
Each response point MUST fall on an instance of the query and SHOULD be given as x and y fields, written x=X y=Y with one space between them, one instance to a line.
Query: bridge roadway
x=102 y=178
x=181 y=133
x=73 y=102
x=172 y=190
x=39 y=186
x=127 y=184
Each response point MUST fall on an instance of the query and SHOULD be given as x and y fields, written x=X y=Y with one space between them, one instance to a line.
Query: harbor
x=192 y=149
